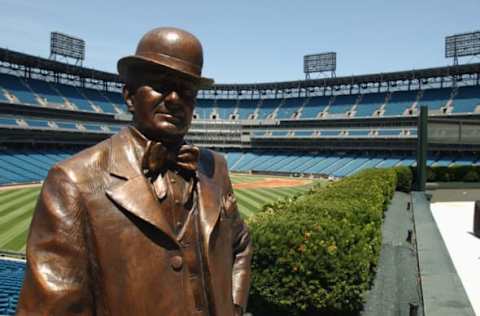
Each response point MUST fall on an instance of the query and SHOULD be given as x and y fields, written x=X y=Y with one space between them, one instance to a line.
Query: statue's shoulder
x=211 y=161
x=90 y=162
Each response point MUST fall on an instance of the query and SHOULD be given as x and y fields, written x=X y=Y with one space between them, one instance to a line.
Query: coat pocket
x=229 y=206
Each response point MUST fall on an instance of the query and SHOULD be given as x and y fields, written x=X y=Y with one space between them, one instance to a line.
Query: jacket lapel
x=209 y=198
x=132 y=191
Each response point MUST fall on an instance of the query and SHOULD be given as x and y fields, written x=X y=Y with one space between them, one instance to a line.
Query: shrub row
x=454 y=173
x=467 y=173
x=316 y=253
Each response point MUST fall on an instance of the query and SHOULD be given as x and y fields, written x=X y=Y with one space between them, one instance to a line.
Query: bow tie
x=158 y=158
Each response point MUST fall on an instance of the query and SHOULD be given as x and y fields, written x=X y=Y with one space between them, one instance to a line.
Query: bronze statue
x=142 y=223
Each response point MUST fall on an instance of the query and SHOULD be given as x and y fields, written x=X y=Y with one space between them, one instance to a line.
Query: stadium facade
x=326 y=127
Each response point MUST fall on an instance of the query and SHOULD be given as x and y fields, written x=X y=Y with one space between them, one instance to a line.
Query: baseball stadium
x=410 y=136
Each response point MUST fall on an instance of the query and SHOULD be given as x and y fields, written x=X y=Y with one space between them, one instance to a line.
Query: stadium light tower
x=67 y=46
x=460 y=45
x=318 y=63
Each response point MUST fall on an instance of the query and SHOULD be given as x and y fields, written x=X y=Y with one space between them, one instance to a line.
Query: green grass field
x=16 y=207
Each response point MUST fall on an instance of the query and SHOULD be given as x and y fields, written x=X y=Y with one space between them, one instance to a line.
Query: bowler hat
x=168 y=49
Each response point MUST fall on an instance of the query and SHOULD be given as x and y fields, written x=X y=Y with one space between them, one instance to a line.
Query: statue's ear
x=128 y=96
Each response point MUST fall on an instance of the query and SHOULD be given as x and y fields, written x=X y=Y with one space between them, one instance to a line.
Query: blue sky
x=252 y=41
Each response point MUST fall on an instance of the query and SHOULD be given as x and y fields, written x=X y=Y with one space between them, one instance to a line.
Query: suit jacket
x=99 y=242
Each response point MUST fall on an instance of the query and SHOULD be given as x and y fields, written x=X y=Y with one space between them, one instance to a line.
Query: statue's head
x=161 y=83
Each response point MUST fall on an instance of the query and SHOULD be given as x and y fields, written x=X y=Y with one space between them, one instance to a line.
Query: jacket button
x=176 y=262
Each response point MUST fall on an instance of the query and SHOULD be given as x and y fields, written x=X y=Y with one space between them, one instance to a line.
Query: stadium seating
x=8 y=121
x=204 y=109
x=434 y=98
x=389 y=132
x=29 y=165
x=466 y=100
x=305 y=133
x=314 y=106
x=45 y=90
x=369 y=104
x=39 y=92
x=24 y=166
x=11 y=279
x=289 y=107
x=17 y=87
x=99 y=100
x=37 y=123
x=341 y=105
x=75 y=97
x=246 y=108
x=267 y=108
x=117 y=100
x=66 y=125
x=225 y=108
x=399 y=102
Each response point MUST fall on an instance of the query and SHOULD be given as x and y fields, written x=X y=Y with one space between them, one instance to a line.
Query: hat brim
x=137 y=62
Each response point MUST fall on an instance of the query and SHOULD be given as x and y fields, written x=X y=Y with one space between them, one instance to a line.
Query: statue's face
x=162 y=106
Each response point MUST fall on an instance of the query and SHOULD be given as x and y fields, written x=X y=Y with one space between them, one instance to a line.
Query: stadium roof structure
x=26 y=60
x=446 y=71
x=29 y=61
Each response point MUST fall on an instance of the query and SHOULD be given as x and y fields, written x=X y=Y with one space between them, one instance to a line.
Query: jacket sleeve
x=56 y=278
x=242 y=252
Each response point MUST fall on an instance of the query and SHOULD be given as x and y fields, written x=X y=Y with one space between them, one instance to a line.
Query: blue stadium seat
x=289 y=107
x=246 y=108
x=74 y=95
x=303 y=133
x=18 y=88
x=93 y=127
x=399 y=102
x=116 y=98
x=293 y=164
x=342 y=104
x=204 y=108
x=267 y=108
x=350 y=167
x=232 y=158
x=339 y=164
x=225 y=108
x=370 y=163
x=245 y=161
x=314 y=106
x=466 y=100
x=358 y=132
x=322 y=164
x=8 y=121
x=45 y=90
x=277 y=133
x=389 y=132
x=96 y=97
x=283 y=159
x=369 y=104
x=66 y=125
x=435 y=98
x=115 y=128
x=329 y=133
x=272 y=159
x=389 y=162
x=37 y=123
x=11 y=280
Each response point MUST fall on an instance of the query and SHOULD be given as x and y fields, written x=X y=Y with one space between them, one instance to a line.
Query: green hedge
x=467 y=173
x=316 y=253
x=404 y=178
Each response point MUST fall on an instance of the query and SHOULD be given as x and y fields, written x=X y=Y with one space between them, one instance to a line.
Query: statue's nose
x=172 y=101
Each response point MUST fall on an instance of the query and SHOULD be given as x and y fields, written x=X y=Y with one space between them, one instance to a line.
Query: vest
x=187 y=229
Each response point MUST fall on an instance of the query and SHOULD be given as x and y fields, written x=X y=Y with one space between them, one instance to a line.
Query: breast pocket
x=229 y=206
